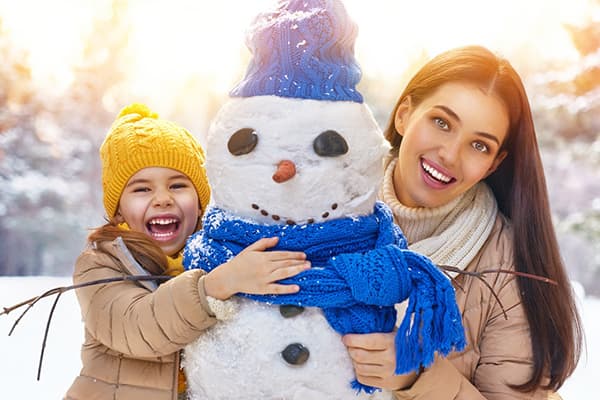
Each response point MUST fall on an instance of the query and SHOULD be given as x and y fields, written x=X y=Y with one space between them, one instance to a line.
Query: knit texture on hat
x=361 y=269
x=140 y=139
x=303 y=49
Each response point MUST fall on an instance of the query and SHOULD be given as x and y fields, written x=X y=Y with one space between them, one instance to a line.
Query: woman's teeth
x=435 y=173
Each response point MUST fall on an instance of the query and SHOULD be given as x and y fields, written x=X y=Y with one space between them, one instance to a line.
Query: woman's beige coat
x=498 y=351
x=133 y=331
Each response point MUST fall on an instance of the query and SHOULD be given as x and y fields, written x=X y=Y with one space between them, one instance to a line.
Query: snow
x=19 y=353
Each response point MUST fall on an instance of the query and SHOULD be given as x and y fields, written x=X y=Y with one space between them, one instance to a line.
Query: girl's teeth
x=162 y=221
x=159 y=236
x=163 y=228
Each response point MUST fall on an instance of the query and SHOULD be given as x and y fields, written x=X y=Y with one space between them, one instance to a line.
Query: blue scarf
x=361 y=268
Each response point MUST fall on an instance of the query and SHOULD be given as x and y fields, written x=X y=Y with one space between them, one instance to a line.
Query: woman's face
x=450 y=142
x=162 y=203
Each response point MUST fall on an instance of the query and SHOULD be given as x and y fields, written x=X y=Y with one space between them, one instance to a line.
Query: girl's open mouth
x=163 y=229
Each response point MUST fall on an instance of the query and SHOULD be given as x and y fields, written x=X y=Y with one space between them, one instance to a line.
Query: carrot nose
x=286 y=170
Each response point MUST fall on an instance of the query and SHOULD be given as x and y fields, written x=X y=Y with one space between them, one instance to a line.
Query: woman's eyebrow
x=448 y=111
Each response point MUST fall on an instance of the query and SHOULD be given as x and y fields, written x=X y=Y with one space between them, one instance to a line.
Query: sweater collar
x=451 y=234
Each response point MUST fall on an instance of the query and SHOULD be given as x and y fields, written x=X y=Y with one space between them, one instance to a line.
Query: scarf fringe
x=356 y=385
x=432 y=322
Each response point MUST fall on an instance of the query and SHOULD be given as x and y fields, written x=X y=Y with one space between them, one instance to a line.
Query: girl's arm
x=131 y=319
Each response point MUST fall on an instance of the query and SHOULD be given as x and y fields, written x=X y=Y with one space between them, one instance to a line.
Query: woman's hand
x=256 y=271
x=374 y=358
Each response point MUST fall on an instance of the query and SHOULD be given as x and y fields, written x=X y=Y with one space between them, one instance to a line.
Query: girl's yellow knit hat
x=139 y=139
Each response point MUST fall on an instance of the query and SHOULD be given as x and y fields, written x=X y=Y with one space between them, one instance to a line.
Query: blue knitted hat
x=302 y=49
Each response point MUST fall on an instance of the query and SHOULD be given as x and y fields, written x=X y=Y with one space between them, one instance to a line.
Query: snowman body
x=241 y=358
x=274 y=160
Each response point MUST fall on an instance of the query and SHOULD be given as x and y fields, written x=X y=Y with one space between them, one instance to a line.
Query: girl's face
x=450 y=142
x=162 y=203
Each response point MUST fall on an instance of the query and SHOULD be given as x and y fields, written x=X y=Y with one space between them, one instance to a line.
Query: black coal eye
x=242 y=142
x=330 y=144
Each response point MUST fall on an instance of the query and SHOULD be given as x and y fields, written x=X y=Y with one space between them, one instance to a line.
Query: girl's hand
x=256 y=271
x=374 y=358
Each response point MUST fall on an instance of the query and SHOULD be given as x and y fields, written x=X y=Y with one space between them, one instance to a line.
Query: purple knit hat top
x=302 y=49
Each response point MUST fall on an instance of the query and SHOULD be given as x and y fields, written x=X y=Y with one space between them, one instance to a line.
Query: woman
x=466 y=185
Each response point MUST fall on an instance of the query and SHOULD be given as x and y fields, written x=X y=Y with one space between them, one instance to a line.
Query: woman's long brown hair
x=519 y=186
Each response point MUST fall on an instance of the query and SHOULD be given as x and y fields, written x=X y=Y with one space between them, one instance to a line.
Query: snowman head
x=295 y=143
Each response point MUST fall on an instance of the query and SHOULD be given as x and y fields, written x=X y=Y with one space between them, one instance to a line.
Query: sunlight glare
x=387 y=40
x=52 y=32
x=178 y=42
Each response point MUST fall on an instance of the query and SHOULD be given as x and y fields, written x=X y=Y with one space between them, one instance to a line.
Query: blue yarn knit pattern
x=361 y=269
x=303 y=49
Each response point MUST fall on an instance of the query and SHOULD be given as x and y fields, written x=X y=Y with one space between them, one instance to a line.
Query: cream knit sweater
x=451 y=234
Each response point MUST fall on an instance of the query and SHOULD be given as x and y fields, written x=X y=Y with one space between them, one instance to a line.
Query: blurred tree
x=566 y=105
x=586 y=40
x=568 y=100
x=50 y=190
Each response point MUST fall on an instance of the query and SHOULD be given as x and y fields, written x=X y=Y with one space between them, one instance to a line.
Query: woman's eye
x=480 y=147
x=441 y=123
x=141 y=189
x=178 y=186
x=242 y=141
x=330 y=144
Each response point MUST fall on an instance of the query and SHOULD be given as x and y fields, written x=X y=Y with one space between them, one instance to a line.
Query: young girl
x=155 y=190
x=466 y=185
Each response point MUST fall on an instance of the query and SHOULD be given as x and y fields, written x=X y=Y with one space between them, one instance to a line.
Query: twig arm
x=61 y=289
x=481 y=276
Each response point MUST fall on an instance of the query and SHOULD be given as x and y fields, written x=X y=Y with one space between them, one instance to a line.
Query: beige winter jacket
x=498 y=351
x=133 y=331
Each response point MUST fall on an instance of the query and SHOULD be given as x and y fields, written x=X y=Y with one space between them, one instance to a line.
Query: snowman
x=296 y=153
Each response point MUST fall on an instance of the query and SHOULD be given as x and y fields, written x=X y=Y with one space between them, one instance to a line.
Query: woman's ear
x=402 y=113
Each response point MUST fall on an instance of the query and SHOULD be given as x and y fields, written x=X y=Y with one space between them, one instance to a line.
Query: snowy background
x=19 y=353
x=68 y=66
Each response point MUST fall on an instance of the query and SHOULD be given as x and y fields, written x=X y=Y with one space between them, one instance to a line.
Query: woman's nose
x=286 y=170
x=450 y=152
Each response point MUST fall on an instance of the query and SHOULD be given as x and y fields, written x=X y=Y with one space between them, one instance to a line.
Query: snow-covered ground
x=19 y=353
